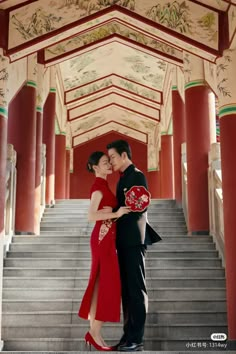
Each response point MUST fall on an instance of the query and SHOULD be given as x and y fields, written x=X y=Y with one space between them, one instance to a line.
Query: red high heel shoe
x=89 y=340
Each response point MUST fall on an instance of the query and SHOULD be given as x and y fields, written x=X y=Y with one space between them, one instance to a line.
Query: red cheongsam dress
x=104 y=263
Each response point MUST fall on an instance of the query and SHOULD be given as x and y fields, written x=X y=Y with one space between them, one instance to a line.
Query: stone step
x=74 y=218
x=84 y=212
x=77 y=346
x=58 y=237
x=79 y=255
x=207 y=272
x=156 y=344
x=68 y=317
x=170 y=331
x=85 y=224
x=24 y=247
x=87 y=230
x=75 y=293
x=151 y=262
x=19 y=305
x=81 y=282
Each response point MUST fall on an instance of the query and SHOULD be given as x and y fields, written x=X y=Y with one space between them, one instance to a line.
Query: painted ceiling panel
x=112 y=98
x=113 y=80
x=114 y=15
x=103 y=31
x=124 y=117
x=115 y=90
x=107 y=128
x=188 y=18
x=114 y=58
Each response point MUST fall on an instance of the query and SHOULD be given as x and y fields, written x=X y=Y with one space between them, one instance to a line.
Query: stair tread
x=71 y=232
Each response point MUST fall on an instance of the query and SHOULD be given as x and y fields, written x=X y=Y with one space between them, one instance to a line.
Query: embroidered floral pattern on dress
x=137 y=198
x=104 y=229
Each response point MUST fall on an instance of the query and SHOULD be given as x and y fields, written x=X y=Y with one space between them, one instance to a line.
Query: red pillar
x=38 y=163
x=3 y=160
x=167 y=182
x=49 y=140
x=60 y=167
x=22 y=135
x=198 y=146
x=228 y=151
x=179 y=136
x=67 y=174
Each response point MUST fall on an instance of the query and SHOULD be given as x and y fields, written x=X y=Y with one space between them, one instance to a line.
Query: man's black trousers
x=134 y=293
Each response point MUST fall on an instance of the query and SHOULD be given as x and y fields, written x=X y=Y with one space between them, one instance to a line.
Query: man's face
x=116 y=160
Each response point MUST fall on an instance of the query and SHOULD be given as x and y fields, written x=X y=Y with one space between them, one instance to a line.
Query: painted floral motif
x=91 y=88
x=137 y=198
x=173 y=15
x=208 y=25
x=105 y=31
x=39 y=24
x=3 y=80
x=222 y=79
x=104 y=229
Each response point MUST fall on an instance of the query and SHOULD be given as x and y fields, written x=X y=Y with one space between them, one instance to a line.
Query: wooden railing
x=216 y=211
x=10 y=197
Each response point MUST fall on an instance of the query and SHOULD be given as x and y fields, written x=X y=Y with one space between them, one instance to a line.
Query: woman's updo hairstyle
x=94 y=159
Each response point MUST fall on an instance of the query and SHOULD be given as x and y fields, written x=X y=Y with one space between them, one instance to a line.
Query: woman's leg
x=95 y=325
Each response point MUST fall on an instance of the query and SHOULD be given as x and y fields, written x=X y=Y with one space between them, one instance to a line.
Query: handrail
x=184 y=182
x=43 y=179
x=10 y=199
x=216 y=210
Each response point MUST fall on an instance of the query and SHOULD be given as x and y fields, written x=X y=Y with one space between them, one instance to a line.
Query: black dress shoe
x=131 y=347
x=122 y=342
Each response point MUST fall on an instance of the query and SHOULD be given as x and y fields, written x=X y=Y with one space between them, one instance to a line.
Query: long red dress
x=104 y=263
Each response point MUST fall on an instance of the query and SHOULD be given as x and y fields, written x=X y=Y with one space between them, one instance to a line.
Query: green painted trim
x=225 y=111
x=174 y=88
x=31 y=83
x=71 y=171
x=67 y=148
x=39 y=109
x=52 y=89
x=194 y=84
x=3 y=112
x=152 y=169
x=60 y=133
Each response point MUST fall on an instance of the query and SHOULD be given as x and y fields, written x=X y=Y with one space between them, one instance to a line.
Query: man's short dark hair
x=121 y=146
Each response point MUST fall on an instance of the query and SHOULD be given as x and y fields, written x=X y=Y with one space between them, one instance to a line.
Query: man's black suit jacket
x=132 y=228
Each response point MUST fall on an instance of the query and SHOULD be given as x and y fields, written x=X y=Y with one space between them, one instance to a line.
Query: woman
x=101 y=301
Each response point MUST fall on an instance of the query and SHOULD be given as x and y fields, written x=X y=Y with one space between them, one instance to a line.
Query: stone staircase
x=45 y=277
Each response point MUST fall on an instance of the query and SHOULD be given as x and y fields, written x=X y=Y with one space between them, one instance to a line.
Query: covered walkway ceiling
x=114 y=58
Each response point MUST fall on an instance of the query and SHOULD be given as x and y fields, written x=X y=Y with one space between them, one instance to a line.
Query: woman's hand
x=122 y=211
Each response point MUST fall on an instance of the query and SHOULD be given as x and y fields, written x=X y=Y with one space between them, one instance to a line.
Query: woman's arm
x=94 y=214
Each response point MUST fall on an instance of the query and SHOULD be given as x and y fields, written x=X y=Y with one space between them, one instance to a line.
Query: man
x=131 y=248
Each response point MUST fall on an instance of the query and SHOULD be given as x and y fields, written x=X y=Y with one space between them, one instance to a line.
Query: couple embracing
x=118 y=245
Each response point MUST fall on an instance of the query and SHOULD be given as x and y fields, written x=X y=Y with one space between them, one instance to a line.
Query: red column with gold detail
x=227 y=113
x=67 y=174
x=38 y=166
x=198 y=146
x=60 y=167
x=179 y=136
x=22 y=135
x=49 y=141
x=166 y=171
